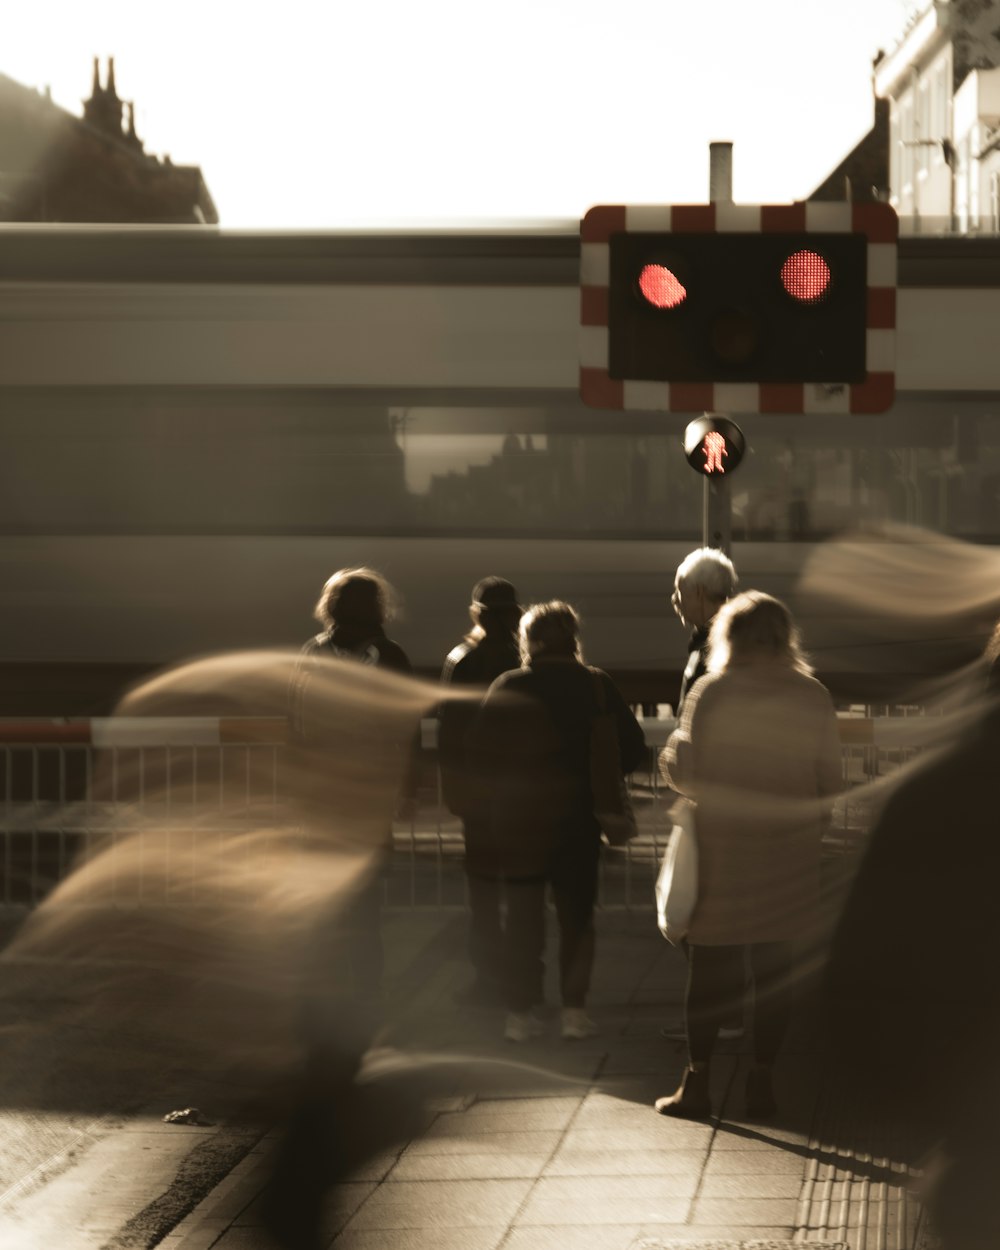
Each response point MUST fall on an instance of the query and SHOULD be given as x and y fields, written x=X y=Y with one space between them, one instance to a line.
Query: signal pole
x=716 y=503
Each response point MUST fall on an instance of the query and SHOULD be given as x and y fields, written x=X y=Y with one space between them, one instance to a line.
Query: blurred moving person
x=758 y=751
x=353 y=608
x=531 y=742
x=488 y=649
x=912 y=980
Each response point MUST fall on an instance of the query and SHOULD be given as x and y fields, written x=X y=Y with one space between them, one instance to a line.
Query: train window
x=286 y=462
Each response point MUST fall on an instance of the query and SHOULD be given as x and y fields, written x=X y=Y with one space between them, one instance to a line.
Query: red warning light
x=805 y=276
x=662 y=288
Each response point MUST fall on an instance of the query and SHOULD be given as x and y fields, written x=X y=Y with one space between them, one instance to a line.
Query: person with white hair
x=704 y=581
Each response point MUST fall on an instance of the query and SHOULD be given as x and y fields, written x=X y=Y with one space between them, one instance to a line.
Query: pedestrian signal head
x=714 y=445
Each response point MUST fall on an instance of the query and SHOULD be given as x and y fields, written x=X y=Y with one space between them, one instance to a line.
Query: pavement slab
x=544 y=1146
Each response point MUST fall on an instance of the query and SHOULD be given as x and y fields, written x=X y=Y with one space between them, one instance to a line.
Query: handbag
x=677 y=882
x=612 y=805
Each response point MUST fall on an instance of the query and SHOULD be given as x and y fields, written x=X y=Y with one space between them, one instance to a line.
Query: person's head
x=705 y=579
x=359 y=599
x=494 y=609
x=550 y=629
x=754 y=628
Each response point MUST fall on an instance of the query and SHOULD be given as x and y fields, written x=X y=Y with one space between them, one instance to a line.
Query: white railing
x=70 y=786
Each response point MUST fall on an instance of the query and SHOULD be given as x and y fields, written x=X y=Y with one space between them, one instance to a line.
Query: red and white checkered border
x=875 y=394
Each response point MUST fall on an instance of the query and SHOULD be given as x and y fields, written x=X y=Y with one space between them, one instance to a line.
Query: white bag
x=677 y=883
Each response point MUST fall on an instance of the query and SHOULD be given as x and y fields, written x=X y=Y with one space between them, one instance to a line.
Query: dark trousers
x=572 y=876
x=482 y=877
x=734 y=1016
x=716 y=978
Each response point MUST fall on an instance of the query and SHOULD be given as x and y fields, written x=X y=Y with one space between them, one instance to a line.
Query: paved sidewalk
x=570 y=1155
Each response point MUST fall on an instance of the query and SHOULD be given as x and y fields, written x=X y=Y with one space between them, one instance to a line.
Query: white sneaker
x=577 y=1025
x=522 y=1026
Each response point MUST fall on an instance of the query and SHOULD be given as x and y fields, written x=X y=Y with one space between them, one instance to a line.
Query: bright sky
x=327 y=113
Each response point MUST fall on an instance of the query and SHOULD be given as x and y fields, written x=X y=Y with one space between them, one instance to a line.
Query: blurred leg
x=524 y=943
x=484 y=887
x=715 y=982
x=774 y=995
x=574 y=888
x=485 y=931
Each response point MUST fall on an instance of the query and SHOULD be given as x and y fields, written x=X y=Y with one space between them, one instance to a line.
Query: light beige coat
x=758 y=751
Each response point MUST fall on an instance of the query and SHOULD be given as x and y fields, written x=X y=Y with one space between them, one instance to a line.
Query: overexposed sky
x=327 y=113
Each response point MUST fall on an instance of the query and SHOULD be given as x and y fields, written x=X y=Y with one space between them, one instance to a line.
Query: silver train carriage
x=199 y=426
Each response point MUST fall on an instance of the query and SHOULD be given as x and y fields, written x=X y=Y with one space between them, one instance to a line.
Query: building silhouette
x=58 y=167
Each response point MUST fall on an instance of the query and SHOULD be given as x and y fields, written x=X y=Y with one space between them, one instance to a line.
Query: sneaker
x=577 y=1025
x=522 y=1026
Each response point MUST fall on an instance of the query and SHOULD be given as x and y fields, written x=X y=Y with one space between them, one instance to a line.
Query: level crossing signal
x=714 y=445
x=741 y=308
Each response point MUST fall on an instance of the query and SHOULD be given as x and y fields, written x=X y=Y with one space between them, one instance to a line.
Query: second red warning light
x=805 y=275
x=661 y=287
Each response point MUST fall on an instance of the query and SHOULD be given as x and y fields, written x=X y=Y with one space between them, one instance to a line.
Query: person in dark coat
x=704 y=581
x=489 y=649
x=353 y=608
x=531 y=741
x=912 y=978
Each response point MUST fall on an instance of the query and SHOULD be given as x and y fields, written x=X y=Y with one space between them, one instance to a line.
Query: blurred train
x=199 y=426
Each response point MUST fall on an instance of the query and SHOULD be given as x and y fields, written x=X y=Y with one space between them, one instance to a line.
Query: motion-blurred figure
x=353 y=608
x=489 y=649
x=912 y=980
x=705 y=579
x=758 y=751
x=531 y=741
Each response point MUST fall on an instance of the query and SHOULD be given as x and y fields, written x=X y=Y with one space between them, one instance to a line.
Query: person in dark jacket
x=911 y=981
x=531 y=741
x=704 y=581
x=353 y=607
x=489 y=649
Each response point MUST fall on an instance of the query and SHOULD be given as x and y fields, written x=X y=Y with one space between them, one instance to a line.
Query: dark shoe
x=690 y=1099
x=478 y=993
x=759 y=1095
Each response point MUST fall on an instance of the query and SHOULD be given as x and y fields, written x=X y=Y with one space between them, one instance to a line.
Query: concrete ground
x=564 y=1149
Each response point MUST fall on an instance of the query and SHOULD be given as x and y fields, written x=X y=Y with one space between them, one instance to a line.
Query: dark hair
x=494 y=608
x=359 y=597
x=494 y=592
x=551 y=628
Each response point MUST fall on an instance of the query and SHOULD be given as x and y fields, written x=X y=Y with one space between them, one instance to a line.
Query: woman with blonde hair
x=758 y=752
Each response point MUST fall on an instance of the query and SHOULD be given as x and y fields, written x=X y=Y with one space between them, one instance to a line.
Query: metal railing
x=70 y=787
